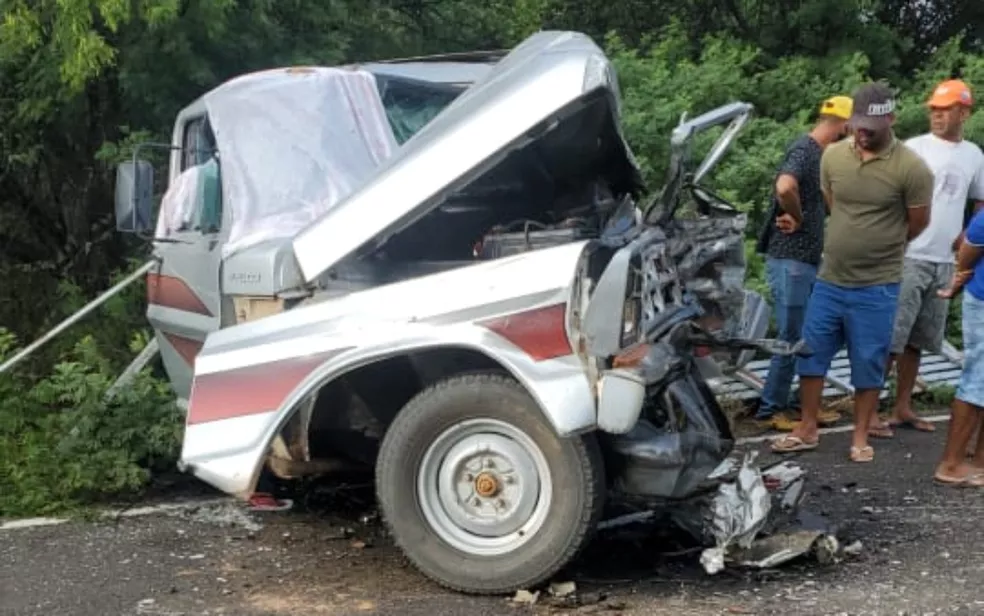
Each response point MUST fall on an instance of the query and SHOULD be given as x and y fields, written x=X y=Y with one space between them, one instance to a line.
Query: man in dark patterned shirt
x=792 y=240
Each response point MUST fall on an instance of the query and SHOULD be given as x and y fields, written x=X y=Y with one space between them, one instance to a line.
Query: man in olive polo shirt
x=879 y=192
x=792 y=246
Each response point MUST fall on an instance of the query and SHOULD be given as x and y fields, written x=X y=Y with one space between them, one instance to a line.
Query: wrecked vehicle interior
x=502 y=324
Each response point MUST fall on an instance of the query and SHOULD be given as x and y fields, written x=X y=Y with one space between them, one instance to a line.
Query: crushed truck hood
x=526 y=93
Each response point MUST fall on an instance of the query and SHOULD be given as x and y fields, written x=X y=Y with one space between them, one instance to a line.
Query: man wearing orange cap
x=958 y=170
x=792 y=241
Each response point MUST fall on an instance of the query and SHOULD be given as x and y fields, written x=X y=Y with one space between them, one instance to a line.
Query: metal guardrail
x=145 y=356
x=78 y=316
x=934 y=370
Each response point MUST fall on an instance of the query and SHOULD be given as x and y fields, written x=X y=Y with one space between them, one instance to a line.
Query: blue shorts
x=863 y=318
x=971 y=388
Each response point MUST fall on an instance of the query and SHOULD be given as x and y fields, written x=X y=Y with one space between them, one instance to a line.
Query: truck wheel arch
x=443 y=360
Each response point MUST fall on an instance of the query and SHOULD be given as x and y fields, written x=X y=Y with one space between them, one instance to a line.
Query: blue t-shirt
x=975 y=237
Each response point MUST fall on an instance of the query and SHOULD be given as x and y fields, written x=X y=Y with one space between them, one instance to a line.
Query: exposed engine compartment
x=561 y=184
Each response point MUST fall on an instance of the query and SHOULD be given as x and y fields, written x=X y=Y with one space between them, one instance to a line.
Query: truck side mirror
x=134 y=196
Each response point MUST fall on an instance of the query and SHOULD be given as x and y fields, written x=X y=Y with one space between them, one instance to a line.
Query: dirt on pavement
x=922 y=554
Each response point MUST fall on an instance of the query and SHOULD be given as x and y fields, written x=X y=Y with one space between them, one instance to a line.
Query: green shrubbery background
x=82 y=79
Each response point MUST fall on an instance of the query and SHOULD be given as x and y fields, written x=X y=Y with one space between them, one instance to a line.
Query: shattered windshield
x=411 y=104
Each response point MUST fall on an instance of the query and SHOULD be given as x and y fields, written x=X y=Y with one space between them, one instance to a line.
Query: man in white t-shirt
x=958 y=170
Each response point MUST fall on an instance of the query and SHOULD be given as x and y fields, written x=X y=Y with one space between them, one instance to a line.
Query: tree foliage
x=81 y=80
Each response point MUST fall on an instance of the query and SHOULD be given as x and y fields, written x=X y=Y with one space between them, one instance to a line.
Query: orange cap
x=950 y=93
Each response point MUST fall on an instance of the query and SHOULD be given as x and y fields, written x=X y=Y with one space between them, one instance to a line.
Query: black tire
x=576 y=474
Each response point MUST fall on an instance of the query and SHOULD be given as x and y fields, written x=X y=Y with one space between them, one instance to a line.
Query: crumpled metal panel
x=754 y=520
x=709 y=254
x=737 y=513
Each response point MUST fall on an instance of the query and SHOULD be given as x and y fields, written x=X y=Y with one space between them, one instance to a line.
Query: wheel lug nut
x=469 y=477
x=477 y=503
x=501 y=504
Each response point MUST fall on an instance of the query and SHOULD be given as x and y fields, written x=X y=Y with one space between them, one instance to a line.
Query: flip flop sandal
x=862 y=454
x=792 y=444
x=975 y=481
x=949 y=480
x=882 y=431
x=784 y=423
x=919 y=425
x=970 y=480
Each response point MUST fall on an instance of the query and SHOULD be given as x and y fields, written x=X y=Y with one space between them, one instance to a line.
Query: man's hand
x=787 y=223
x=960 y=278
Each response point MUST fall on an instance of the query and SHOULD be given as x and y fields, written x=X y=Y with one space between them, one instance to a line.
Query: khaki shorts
x=921 y=318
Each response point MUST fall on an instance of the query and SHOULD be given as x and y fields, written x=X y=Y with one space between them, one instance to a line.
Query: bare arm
x=968 y=256
x=918 y=219
x=797 y=165
x=978 y=206
x=825 y=182
x=787 y=193
x=917 y=193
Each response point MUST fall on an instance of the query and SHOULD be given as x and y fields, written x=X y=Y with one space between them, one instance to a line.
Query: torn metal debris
x=751 y=519
x=755 y=521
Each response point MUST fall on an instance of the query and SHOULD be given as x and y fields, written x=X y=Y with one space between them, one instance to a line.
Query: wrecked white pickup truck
x=483 y=312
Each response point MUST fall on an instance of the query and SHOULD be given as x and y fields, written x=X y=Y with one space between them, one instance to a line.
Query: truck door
x=184 y=302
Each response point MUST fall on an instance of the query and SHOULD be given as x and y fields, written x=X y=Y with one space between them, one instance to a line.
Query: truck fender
x=560 y=386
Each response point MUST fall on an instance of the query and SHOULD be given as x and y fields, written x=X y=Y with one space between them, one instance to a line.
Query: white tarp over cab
x=293 y=143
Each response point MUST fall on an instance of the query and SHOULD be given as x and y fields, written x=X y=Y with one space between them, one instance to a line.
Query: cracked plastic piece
x=620 y=398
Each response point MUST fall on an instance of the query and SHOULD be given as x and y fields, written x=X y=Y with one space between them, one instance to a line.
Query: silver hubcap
x=484 y=487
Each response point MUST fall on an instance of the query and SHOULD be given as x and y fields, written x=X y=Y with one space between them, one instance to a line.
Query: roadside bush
x=64 y=444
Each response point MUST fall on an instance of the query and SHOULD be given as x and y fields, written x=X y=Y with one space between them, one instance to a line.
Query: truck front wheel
x=478 y=490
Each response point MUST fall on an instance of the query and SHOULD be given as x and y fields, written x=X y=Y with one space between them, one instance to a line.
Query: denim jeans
x=791 y=283
x=862 y=318
x=971 y=389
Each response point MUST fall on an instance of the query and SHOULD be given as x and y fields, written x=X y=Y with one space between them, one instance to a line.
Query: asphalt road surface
x=923 y=553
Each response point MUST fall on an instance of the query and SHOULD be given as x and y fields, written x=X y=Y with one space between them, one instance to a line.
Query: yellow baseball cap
x=838 y=106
